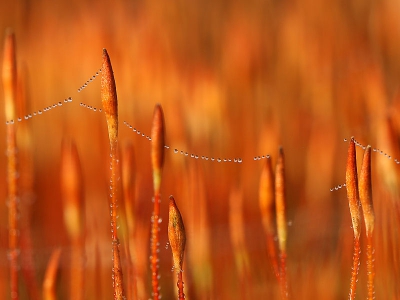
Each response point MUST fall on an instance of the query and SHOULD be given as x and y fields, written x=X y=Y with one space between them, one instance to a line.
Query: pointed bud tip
x=157 y=145
x=109 y=97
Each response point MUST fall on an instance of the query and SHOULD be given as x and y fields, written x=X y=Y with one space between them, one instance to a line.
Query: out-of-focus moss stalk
x=9 y=76
x=26 y=189
x=280 y=205
x=128 y=187
x=50 y=278
x=110 y=108
x=157 y=161
x=72 y=194
x=267 y=206
x=237 y=233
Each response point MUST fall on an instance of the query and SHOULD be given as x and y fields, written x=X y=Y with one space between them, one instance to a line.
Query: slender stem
x=114 y=190
x=155 y=229
x=355 y=268
x=117 y=269
x=282 y=276
x=370 y=268
x=272 y=253
x=179 y=284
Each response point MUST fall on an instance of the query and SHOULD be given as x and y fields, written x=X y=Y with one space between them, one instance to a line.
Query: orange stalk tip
x=9 y=75
x=157 y=145
x=176 y=234
x=365 y=189
x=352 y=188
x=109 y=97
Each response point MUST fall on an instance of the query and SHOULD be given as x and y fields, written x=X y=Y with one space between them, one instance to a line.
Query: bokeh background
x=235 y=79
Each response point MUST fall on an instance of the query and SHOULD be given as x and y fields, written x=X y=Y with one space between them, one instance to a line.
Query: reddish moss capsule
x=352 y=188
x=109 y=97
x=157 y=146
x=176 y=234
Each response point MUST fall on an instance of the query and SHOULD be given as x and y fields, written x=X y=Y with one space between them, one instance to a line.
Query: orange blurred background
x=235 y=79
